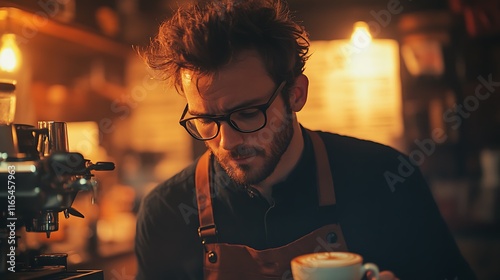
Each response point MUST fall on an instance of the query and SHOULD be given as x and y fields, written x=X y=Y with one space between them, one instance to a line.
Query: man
x=269 y=189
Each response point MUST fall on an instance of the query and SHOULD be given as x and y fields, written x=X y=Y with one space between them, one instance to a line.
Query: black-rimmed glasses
x=246 y=120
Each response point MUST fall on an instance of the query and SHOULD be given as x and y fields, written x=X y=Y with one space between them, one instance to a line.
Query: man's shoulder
x=349 y=146
x=360 y=159
x=176 y=189
x=370 y=165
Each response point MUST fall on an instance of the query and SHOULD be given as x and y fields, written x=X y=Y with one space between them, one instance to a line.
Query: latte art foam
x=329 y=259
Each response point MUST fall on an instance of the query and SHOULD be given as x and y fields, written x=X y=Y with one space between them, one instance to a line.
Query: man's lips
x=243 y=155
x=242 y=159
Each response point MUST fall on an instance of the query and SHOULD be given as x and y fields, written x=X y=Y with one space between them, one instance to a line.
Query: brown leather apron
x=233 y=261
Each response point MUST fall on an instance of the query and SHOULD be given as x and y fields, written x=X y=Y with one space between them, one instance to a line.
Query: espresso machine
x=39 y=179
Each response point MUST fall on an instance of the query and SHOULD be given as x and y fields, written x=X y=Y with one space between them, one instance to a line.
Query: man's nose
x=229 y=137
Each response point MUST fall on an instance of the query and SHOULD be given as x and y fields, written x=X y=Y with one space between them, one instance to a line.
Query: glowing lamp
x=361 y=36
x=10 y=55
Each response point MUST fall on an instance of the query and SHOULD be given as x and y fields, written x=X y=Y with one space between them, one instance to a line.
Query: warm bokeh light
x=10 y=55
x=355 y=91
x=361 y=37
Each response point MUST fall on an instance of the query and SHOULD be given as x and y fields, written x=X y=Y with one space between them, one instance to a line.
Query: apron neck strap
x=207 y=229
x=326 y=192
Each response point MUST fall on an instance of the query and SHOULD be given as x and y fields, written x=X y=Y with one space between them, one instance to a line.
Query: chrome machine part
x=39 y=178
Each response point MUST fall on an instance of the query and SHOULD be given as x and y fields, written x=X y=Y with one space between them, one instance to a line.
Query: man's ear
x=298 y=93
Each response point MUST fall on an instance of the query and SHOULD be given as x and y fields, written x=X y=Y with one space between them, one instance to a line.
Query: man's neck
x=286 y=164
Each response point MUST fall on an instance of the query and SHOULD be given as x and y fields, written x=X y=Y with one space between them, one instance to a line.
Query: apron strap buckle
x=207 y=232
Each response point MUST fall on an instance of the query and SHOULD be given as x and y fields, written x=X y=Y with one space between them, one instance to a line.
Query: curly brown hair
x=206 y=35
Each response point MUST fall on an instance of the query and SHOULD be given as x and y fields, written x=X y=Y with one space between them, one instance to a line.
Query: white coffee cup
x=331 y=266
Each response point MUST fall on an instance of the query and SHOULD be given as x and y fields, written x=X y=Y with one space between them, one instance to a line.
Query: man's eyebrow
x=245 y=104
